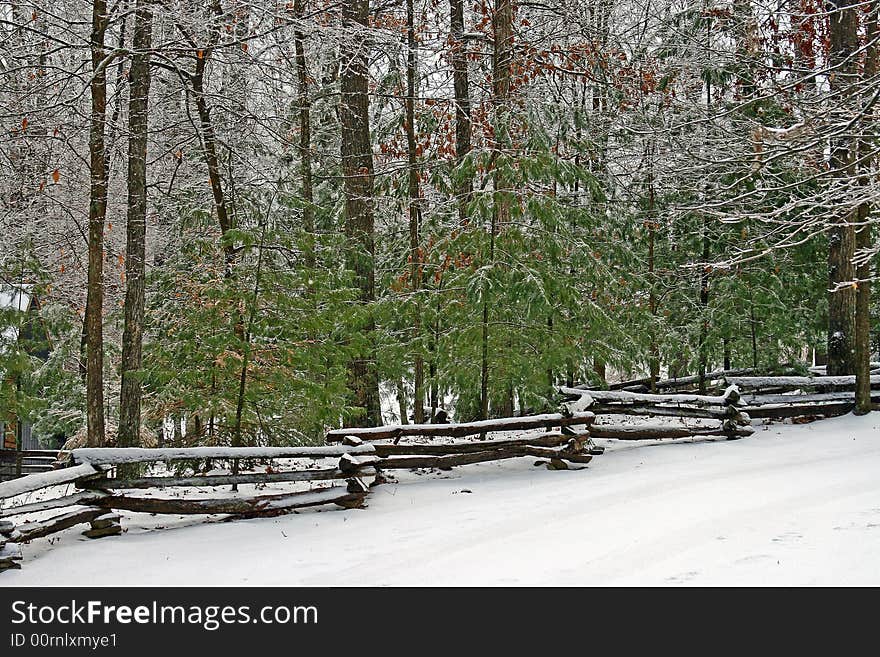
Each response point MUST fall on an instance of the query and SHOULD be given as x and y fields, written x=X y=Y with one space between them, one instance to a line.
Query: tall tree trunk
x=357 y=167
x=225 y=215
x=305 y=140
x=463 y=184
x=502 y=63
x=703 y=347
x=704 y=310
x=97 y=215
x=863 y=236
x=654 y=349
x=461 y=89
x=844 y=24
x=136 y=228
x=415 y=214
x=502 y=60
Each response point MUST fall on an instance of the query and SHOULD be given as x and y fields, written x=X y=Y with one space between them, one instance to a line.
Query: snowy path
x=791 y=505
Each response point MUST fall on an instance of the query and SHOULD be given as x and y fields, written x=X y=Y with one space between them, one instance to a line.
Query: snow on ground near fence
x=793 y=504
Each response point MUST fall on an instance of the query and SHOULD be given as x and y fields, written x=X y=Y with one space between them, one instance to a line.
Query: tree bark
x=305 y=140
x=415 y=213
x=357 y=168
x=863 y=236
x=844 y=24
x=136 y=227
x=97 y=215
x=502 y=59
x=461 y=88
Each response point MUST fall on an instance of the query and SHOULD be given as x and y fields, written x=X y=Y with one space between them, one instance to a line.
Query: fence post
x=735 y=418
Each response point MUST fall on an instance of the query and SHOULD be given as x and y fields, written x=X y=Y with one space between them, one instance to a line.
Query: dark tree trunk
x=136 y=228
x=461 y=87
x=844 y=23
x=502 y=59
x=863 y=236
x=97 y=215
x=502 y=63
x=464 y=186
x=357 y=167
x=704 y=310
x=415 y=213
x=651 y=224
x=305 y=140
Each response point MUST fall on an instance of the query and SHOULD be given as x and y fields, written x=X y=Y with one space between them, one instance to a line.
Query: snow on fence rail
x=461 y=429
x=643 y=384
x=733 y=422
x=363 y=452
x=92 y=469
x=98 y=494
x=781 y=397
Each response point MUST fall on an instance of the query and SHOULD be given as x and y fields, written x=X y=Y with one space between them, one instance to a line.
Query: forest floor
x=790 y=505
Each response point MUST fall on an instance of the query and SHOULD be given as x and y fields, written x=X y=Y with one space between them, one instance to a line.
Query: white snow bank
x=790 y=505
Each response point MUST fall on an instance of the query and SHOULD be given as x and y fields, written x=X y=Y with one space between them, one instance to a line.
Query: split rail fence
x=338 y=470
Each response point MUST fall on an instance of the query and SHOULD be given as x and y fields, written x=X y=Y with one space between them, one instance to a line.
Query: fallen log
x=459 y=430
x=215 y=480
x=121 y=455
x=261 y=505
x=56 y=503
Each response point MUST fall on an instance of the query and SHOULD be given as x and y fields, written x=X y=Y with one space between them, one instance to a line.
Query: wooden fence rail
x=789 y=397
x=357 y=453
x=92 y=471
x=731 y=420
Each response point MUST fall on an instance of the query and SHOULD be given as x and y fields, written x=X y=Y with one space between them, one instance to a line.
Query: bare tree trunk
x=415 y=213
x=654 y=350
x=305 y=140
x=136 y=228
x=502 y=62
x=464 y=186
x=97 y=215
x=502 y=59
x=704 y=308
x=357 y=167
x=461 y=87
x=844 y=23
x=863 y=236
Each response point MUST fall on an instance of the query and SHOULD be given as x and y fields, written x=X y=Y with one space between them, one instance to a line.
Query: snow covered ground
x=790 y=505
